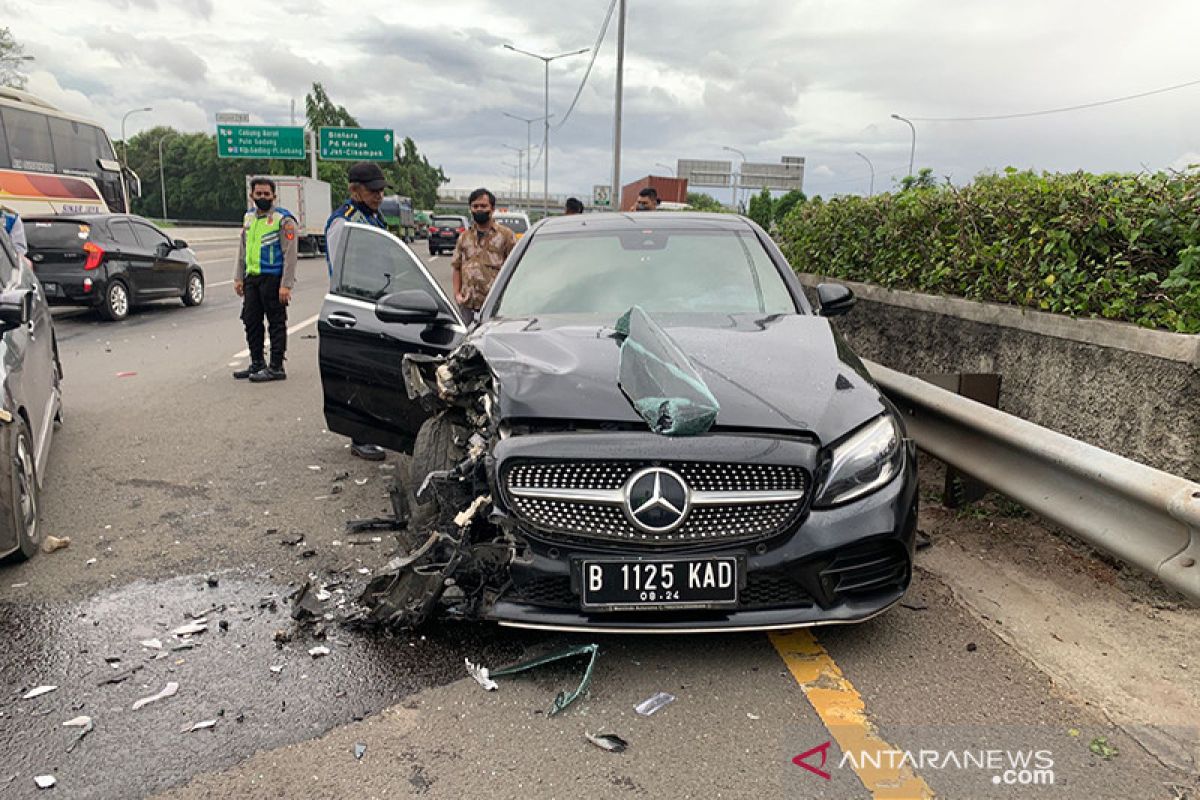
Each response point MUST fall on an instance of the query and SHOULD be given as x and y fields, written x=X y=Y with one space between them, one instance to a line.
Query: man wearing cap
x=367 y=183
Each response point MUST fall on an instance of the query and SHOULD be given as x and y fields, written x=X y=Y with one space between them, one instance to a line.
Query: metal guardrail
x=1141 y=515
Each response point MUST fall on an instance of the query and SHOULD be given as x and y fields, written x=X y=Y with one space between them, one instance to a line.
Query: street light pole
x=615 y=191
x=739 y=174
x=529 y=149
x=124 y=142
x=664 y=166
x=520 y=155
x=162 y=181
x=870 y=191
x=546 y=128
x=912 y=151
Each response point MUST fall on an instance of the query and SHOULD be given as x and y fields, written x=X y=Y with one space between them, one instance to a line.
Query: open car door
x=377 y=278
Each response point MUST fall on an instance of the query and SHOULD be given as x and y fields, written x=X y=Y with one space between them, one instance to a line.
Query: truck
x=398 y=211
x=309 y=201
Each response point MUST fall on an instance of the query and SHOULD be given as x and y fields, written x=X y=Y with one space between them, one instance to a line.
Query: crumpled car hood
x=785 y=373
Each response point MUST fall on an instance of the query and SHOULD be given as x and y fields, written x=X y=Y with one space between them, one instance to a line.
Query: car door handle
x=340 y=319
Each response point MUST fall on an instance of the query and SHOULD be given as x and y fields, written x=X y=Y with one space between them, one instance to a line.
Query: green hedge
x=1122 y=247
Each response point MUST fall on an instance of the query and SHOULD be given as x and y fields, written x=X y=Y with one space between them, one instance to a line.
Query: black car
x=650 y=429
x=444 y=231
x=32 y=401
x=111 y=262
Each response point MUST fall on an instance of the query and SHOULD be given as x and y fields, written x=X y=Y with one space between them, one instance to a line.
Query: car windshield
x=56 y=235
x=447 y=222
x=607 y=272
x=515 y=224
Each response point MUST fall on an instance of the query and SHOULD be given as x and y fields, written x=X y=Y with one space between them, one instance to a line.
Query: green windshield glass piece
x=563 y=699
x=659 y=379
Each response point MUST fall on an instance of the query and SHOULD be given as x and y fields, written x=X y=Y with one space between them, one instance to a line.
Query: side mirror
x=16 y=307
x=835 y=299
x=411 y=305
x=179 y=244
x=162 y=249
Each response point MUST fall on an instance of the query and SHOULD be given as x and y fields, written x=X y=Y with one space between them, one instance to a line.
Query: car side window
x=373 y=264
x=122 y=233
x=149 y=237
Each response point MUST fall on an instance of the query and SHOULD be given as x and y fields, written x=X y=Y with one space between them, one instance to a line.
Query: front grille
x=763 y=590
x=730 y=502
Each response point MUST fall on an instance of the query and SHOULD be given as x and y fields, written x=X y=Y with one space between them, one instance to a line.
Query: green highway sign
x=260 y=141
x=356 y=144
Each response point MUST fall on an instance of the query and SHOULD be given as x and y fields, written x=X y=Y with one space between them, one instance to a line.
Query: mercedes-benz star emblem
x=657 y=499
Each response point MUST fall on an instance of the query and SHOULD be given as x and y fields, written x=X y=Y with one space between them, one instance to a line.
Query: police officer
x=367 y=183
x=263 y=278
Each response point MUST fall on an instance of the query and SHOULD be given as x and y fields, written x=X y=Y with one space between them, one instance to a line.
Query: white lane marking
x=220 y=283
x=291 y=330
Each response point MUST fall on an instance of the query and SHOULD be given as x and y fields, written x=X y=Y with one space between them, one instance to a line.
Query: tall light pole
x=870 y=191
x=520 y=156
x=124 y=142
x=162 y=181
x=528 y=148
x=664 y=166
x=618 y=102
x=546 y=127
x=912 y=151
x=739 y=174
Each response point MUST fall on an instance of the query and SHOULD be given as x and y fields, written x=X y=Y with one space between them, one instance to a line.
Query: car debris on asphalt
x=86 y=726
x=360 y=750
x=317 y=652
x=52 y=543
x=167 y=691
x=485 y=678
x=608 y=741
x=654 y=703
x=45 y=781
x=195 y=626
x=38 y=692
x=200 y=726
x=480 y=674
x=118 y=677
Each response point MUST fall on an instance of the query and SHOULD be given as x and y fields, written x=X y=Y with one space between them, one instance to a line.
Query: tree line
x=201 y=186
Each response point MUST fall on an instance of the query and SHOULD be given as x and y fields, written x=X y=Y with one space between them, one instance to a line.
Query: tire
x=116 y=303
x=433 y=251
x=20 y=501
x=193 y=293
x=433 y=450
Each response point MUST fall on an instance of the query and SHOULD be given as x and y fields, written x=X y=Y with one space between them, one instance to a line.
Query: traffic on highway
x=734 y=476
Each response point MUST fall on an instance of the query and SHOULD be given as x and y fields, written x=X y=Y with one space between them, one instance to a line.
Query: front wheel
x=116 y=302
x=19 y=498
x=193 y=295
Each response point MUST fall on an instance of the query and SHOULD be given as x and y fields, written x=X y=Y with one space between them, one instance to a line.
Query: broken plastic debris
x=125 y=674
x=52 y=543
x=38 y=692
x=306 y=603
x=563 y=699
x=78 y=722
x=607 y=741
x=277 y=668
x=45 y=781
x=360 y=750
x=193 y=627
x=463 y=518
x=128 y=374
x=753 y=716
x=660 y=381
x=153 y=644
x=90 y=561
x=361 y=481
x=167 y=691
x=315 y=467
x=480 y=674
x=654 y=703
x=317 y=652
x=86 y=726
x=199 y=726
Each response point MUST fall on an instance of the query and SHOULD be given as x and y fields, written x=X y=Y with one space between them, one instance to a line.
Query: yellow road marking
x=843 y=712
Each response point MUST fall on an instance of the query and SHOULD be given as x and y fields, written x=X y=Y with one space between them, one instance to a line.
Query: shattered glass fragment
x=653 y=703
x=480 y=674
x=660 y=381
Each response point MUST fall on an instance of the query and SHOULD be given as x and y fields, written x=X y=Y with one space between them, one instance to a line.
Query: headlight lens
x=867 y=460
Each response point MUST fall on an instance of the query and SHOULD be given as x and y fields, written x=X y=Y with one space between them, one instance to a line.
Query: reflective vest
x=351 y=213
x=264 y=252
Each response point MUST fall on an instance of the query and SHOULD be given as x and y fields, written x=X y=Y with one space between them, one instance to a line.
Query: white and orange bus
x=57 y=163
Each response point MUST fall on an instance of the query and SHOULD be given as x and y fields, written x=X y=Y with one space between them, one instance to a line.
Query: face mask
x=263 y=203
x=481 y=217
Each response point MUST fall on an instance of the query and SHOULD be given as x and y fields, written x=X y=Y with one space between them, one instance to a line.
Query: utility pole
x=312 y=152
x=546 y=127
x=162 y=181
x=615 y=191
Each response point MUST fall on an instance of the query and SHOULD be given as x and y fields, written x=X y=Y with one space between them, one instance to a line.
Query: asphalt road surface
x=186 y=494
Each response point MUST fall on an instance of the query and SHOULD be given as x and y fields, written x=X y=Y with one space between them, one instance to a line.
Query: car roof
x=88 y=218
x=661 y=220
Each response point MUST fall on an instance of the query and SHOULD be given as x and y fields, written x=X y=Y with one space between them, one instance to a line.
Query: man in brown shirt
x=479 y=254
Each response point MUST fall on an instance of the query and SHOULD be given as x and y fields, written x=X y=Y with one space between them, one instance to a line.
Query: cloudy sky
x=812 y=78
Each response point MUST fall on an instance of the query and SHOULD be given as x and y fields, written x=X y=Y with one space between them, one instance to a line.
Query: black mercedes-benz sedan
x=649 y=429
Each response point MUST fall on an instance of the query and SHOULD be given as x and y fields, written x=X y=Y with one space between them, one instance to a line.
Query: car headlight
x=867 y=460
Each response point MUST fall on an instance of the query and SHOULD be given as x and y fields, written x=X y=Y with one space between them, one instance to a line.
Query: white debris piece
x=78 y=722
x=654 y=703
x=199 y=726
x=464 y=517
x=317 y=652
x=168 y=691
x=45 y=781
x=277 y=668
x=38 y=692
x=480 y=674
x=315 y=467
x=195 y=626
x=153 y=644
